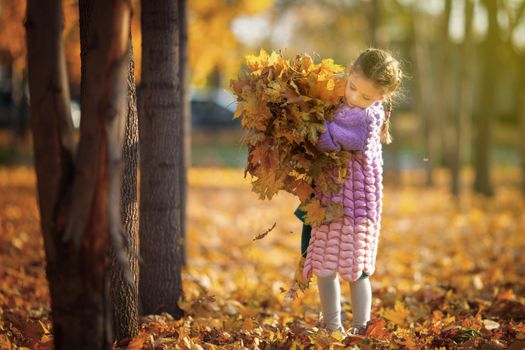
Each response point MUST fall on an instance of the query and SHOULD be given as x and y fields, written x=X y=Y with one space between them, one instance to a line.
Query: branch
x=517 y=19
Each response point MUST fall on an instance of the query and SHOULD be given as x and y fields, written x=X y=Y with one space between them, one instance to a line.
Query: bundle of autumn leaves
x=283 y=105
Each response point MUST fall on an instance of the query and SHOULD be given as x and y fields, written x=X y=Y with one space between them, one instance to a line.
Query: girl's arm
x=347 y=131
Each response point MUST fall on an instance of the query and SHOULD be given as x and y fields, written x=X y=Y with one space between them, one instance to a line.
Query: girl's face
x=360 y=91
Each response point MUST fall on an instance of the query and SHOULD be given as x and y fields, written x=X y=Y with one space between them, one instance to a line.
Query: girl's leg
x=330 y=296
x=361 y=293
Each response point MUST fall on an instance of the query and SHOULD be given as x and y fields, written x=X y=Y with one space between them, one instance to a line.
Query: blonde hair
x=385 y=72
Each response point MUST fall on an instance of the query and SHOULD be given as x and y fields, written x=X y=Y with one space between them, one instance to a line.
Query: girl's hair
x=385 y=71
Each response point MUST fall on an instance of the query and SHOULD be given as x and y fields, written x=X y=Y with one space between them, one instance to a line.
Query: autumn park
x=262 y=174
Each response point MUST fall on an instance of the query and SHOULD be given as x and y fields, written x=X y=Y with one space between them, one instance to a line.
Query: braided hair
x=385 y=71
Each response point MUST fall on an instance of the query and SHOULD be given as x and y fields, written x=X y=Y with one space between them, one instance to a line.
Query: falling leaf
x=263 y=234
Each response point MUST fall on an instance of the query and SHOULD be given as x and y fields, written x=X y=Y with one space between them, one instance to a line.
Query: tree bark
x=186 y=112
x=483 y=137
x=124 y=268
x=124 y=294
x=161 y=129
x=79 y=200
x=462 y=120
x=94 y=216
x=54 y=151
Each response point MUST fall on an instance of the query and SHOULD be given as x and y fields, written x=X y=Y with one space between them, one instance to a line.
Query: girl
x=348 y=246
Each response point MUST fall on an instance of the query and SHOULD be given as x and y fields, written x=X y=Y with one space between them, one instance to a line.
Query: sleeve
x=347 y=131
x=326 y=142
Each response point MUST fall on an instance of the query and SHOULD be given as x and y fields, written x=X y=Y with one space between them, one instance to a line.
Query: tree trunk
x=483 y=138
x=374 y=20
x=426 y=101
x=375 y=15
x=78 y=202
x=161 y=129
x=124 y=295
x=53 y=156
x=444 y=124
x=186 y=112
x=521 y=117
x=124 y=269
x=518 y=58
x=462 y=124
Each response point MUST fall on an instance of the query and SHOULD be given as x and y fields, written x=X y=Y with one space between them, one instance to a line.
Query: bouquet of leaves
x=283 y=104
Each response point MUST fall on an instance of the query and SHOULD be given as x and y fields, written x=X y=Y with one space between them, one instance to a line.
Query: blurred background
x=460 y=117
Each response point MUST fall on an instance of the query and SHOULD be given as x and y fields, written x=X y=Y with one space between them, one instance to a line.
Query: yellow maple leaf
x=399 y=314
x=303 y=190
x=315 y=213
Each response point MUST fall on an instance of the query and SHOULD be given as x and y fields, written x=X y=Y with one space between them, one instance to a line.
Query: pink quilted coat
x=349 y=245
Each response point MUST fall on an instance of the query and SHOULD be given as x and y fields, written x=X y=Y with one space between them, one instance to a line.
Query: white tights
x=330 y=296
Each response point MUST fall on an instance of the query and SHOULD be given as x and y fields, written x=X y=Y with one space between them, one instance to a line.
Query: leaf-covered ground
x=448 y=276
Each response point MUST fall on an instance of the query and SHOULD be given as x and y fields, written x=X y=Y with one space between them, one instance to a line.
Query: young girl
x=348 y=246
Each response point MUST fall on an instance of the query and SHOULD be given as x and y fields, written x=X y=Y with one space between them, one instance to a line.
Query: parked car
x=209 y=114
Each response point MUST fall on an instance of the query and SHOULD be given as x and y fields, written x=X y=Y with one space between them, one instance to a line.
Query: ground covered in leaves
x=449 y=275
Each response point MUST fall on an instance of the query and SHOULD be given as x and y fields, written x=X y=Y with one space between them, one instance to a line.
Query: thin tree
x=443 y=121
x=376 y=18
x=461 y=131
x=424 y=91
x=485 y=112
x=78 y=194
x=521 y=114
x=518 y=57
x=161 y=129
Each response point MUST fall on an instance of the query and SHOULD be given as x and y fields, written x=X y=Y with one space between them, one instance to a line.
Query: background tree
x=517 y=57
x=124 y=292
x=212 y=46
x=461 y=119
x=161 y=129
x=78 y=199
x=12 y=56
x=425 y=90
x=485 y=112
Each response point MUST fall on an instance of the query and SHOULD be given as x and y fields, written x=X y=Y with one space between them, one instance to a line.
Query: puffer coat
x=349 y=245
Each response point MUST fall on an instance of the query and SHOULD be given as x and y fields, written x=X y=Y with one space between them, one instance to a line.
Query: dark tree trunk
x=78 y=200
x=186 y=112
x=124 y=294
x=462 y=124
x=53 y=153
x=485 y=113
x=161 y=128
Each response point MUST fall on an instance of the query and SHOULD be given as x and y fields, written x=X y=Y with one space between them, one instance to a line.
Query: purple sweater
x=349 y=245
x=347 y=131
